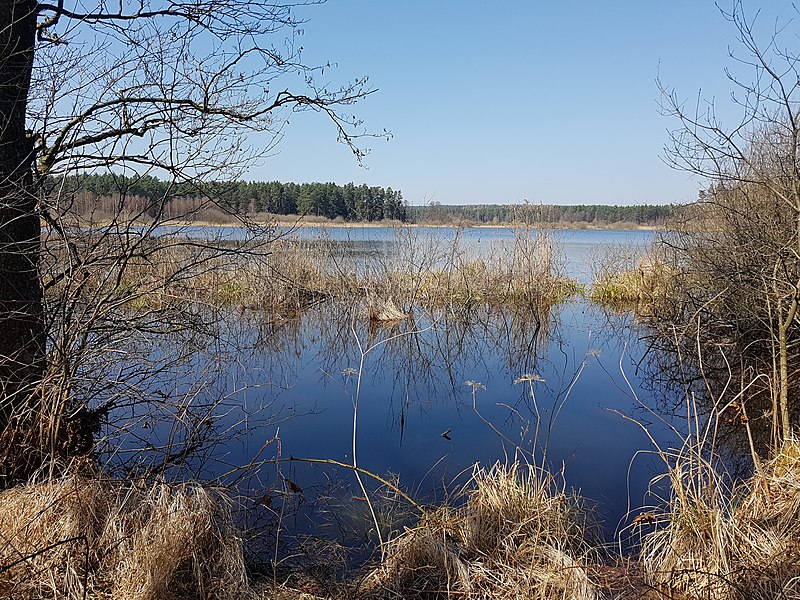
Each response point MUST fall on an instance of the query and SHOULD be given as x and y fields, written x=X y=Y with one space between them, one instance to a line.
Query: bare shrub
x=737 y=251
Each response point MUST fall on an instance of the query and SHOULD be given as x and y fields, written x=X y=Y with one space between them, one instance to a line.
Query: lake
x=435 y=396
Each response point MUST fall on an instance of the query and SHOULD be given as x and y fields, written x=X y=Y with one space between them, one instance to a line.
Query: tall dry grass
x=89 y=538
x=518 y=534
x=721 y=541
x=288 y=277
x=640 y=287
x=524 y=272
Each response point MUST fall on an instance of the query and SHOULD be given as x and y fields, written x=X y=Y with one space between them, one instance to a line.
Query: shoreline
x=320 y=222
x=282 y=221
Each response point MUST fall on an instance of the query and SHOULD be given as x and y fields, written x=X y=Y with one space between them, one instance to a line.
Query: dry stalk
x=726 y=543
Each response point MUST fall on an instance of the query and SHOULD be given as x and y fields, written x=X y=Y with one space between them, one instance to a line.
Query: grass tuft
x=80 y=538
x=723 y=543
x=645 y=284
x=518 y=535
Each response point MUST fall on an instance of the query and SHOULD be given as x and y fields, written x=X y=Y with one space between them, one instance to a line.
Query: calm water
x=414 y=389
x=418 y=418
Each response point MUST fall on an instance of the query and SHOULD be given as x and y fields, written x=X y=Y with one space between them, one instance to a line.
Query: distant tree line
x=593 y=214
x=350 y=202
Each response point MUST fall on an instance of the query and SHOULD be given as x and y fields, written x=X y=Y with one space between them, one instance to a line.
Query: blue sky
x=498 y=102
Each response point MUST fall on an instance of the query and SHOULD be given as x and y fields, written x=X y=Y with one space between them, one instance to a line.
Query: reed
x=640 y=287
x=287 y=277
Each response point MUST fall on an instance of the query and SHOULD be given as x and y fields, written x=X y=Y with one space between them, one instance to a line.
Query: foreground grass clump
x=517 y=536
x=85 y=538
x=720 y=543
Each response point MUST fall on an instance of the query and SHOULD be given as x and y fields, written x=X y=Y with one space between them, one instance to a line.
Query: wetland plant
x=518 y=533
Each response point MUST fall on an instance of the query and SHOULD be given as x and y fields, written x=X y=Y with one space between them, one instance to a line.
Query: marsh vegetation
x=419 y=313
x=260 y=411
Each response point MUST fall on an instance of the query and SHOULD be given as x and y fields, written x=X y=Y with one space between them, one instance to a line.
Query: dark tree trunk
x=22 y=332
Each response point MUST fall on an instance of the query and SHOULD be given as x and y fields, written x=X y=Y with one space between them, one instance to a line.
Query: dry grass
x=646 y=284
x=524 y=273
x=518 y=535
x=290 y=276
x=478 y=283
x=283 y=284
x=720 y=543
x=84 y=538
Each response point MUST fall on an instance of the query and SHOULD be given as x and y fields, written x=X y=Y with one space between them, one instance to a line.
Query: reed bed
x=637 y=287
x=287 y=277
x=88 y=538
x=478 y=283
x=516 y=535
x=739 y=542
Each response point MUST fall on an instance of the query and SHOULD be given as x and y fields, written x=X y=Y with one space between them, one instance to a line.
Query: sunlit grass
x=78 y=538
x=726 y=541
x=644 y=285
x=518 y=534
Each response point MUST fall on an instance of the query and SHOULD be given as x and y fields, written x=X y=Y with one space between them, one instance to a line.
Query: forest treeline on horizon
x=349 y=203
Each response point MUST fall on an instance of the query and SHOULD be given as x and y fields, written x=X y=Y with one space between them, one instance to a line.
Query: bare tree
x=738 y=250
x=168 y=88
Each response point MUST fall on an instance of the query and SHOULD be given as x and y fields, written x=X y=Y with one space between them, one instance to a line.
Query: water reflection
x=453 y=385
x=283 y=390
x=710 y=397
